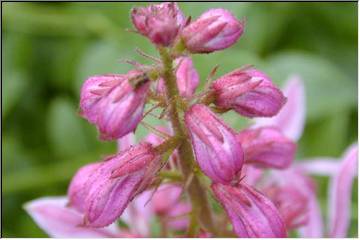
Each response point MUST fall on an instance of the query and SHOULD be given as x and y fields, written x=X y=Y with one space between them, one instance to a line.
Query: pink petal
x=77 y=191
x=57 y=220
x=139 y=213
x=340 y=193
x=319 y=166
x=251 y=213
x=291 y=118
x=303 y=184
x=314 y=226
x=126 y=141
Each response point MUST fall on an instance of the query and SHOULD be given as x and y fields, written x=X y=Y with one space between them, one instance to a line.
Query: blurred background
x=49 y=49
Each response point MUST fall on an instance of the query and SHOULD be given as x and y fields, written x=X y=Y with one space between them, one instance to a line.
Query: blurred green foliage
x=50 y=49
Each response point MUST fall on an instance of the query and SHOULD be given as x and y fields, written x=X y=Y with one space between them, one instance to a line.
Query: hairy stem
x=196 y=192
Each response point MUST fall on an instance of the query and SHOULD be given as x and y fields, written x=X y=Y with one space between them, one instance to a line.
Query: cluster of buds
x=167 y=175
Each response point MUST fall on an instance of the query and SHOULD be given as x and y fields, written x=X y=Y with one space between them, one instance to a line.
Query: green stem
x=196 y=192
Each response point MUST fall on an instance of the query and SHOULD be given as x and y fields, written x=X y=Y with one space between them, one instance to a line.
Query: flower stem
x=196 y=192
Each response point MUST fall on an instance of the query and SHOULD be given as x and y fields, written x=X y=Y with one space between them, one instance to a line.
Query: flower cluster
x=167 y=175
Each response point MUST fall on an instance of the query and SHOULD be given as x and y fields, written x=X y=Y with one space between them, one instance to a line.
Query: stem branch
x=195 y=191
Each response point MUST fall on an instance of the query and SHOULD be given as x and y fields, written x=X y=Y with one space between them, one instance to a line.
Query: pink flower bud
x=291 y=203
x=160 y=23
x=267 y=147
x=216 y=149
x=214 y=30
x=166 y=197
x=112 y=104
x=249 y=92
x=251 y=213
x=77 y=192
x=187 y=78
x=295 y=198
x=117 y=181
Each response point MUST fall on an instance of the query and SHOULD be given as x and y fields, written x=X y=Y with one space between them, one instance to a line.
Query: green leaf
x=65 y=132
x=328 y=90
x=264 y=25
x=14 y=85
x=326 y=136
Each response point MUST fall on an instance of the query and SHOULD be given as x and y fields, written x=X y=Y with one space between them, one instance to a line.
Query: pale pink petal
x=319 y=166
x=139 y=213
x=126 y=141
x=314 y=226
x=252 y=174
x=340 y=193
x=57 y=220
x=291 y=118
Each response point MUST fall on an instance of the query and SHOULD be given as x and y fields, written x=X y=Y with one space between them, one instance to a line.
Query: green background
x=51 y=48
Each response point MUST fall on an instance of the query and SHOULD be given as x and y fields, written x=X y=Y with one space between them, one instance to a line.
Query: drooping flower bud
x=251 y=213
x=160 y=23
x=117 y=181
x=291 y=203
x=294 y=195
x=216 y=148
x=77 y=191
x=267 y=147
x=214 y=30
x=249 y=92
x=113 y=104
x=187 y=78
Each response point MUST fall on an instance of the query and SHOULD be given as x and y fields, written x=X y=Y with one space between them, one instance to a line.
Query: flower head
x=216 y=148
x=115 y=182
x=249 y=92
x=251 y=213
x=113 y=104
x=214 y=30
x=267 y=147
x=160 y=23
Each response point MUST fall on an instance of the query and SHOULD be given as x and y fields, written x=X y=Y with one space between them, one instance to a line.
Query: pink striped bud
x=113 y=104
x=117 y=181
x=251 y=213
x=249 y=92
x=267 y=147
x=187 y=78
x=214 y=30
x=77 y=191
x=160 y=23
x=216 y=148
